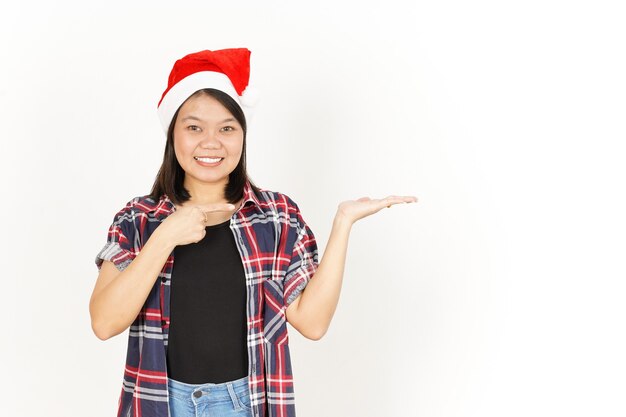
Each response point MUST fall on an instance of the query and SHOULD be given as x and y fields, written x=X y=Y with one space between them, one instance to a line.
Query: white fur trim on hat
x=181 y=91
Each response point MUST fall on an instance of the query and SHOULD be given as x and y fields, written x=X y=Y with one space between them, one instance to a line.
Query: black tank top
x=208 y=332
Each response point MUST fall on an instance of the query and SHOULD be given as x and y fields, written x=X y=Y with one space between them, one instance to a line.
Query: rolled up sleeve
x=120 y=246
x=304 y=262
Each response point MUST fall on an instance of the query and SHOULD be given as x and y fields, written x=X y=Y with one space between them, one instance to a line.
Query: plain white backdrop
x=500 y=293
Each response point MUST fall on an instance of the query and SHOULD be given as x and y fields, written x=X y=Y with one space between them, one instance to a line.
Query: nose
x=210 y=140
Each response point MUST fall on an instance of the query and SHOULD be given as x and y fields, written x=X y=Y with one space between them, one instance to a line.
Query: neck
x=206 y=193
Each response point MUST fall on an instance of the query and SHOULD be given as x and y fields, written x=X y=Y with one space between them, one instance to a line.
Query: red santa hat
x=227 y=70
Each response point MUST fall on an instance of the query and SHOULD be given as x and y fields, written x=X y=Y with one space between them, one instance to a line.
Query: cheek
x=236 y=147
x=182 y=147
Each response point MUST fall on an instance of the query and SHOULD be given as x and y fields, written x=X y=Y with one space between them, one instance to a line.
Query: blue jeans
x=227 y=399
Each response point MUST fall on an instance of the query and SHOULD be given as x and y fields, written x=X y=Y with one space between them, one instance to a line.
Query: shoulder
x=283 y=209
x=141 y=204
x=128 y=208
x=137 y=206
x=278 y=201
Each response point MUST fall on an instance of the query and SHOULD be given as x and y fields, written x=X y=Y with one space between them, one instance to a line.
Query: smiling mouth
x=207 y=160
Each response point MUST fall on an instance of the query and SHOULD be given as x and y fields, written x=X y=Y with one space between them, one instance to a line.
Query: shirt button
x=197 y=394
x=163 y=279
x=163 y=322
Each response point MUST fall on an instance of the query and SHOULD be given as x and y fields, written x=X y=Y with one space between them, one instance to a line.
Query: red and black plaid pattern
x=279 y=254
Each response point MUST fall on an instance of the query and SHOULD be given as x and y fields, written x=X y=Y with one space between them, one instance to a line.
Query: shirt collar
x=165 y=206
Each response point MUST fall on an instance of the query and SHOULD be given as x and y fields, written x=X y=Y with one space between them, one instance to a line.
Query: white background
x=500 y=293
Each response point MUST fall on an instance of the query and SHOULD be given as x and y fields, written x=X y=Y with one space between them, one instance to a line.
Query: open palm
x=354 y=210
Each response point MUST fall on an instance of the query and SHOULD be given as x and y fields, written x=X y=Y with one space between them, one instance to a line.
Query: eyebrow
x=190 y=117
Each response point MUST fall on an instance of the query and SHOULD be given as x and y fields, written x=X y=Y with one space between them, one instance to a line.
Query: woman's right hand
x=186 y=225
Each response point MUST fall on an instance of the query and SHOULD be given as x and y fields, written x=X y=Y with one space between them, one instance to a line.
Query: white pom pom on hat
x=227 y=70
x=250 y=96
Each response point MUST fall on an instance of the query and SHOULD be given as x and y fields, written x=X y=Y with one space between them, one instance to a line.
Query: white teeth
x=209 y=160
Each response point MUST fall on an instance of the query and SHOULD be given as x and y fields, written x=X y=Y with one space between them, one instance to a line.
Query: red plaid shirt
x=279 y=255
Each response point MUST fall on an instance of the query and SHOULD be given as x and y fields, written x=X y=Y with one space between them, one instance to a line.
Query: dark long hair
x=170 y=178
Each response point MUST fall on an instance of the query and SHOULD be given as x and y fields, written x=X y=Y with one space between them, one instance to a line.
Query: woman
x=208 y=333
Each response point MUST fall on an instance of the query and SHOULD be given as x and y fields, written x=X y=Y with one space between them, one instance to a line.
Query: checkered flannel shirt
x=279 y=254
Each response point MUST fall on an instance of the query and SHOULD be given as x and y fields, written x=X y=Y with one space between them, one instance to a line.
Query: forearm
x=319 y=299
x=117 y=305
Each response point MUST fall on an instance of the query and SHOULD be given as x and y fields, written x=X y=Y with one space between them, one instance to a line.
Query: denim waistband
x=220 y=390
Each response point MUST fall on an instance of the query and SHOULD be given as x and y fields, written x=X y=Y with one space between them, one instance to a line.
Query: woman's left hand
x=353 y=210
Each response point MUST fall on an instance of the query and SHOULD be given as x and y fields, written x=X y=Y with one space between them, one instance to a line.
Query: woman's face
x=205 y=128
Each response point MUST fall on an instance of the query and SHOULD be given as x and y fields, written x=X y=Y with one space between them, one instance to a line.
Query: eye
x=193 y=128
x=229 y=127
